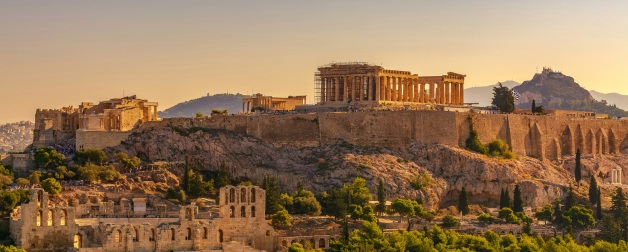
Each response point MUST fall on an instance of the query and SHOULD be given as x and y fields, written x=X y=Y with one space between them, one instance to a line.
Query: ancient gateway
x=238 y=225
x=361 y=83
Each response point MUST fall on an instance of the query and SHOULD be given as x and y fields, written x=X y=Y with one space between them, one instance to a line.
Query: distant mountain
x=15 y=137
x=484 y=95
x=554 y=90
x=621 y=101
x=204 y=105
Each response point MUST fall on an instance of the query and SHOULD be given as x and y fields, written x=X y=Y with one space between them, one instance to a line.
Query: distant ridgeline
x=204 y=105
x=554 y=90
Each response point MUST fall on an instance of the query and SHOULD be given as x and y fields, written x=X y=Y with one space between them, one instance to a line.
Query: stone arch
x=172 y=234
x=322 y=243
x=590 y=147
x=39 y=214
x=78 y=241
x=220 y=235
x=612 y=142
x=284 y=243
x=205 y=233
x=252 y=195
x=117 y=235
x=136 y=236
x=232 y=212
x=232 y=195
x=553 y=150
x=63 y=218
x=624 y=144
x=40 y=197
x=580 y=141
x=252 y=211
x=243 y=211
x=50 y=218
x=153 y=235
x=534 y=142
x=243 y=195
x=602 y=145
x=567 y=141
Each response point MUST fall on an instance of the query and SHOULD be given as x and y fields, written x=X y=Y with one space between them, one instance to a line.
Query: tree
x=581 y=217
x=570 y=199
x=507 y=199
x=450 y=221
x=10 y=248
x=404 y=207
x=485 y=217
x=48 y=158
x=533 y=110
x=473 y=141
x=296 y=247
x=508 y=215
x=578 y=169
x=34 y=177
x=186 y=176
x=545 y=214
x=593 y=190
x=306 y=203
x=281 y=219
x=381 y=197
x=598 y=207
x=619 y=210
x=51 y=186
x=503 y=99
x=517 y=203
x=502 y=200
x=83 y=156
x=463 y=203
x=22 y=182
x=199 y=115
x=272 y=194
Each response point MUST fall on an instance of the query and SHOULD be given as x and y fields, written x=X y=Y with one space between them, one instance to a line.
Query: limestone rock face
x=445 y=169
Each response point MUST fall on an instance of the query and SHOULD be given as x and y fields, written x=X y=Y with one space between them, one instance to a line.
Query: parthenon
x=342 y=83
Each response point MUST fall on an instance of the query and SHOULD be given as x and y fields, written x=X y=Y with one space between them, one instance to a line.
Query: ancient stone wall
x=543 y=137
x=99 y=139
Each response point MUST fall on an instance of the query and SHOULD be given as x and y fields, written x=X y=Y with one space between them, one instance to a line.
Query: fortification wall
x=543 y=137
x=99 y=139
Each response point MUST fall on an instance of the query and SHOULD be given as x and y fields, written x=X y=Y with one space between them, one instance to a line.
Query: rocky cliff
x=444 y=170
x=554 y=90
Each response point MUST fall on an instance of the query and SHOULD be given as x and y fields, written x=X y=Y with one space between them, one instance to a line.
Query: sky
x=60 y=53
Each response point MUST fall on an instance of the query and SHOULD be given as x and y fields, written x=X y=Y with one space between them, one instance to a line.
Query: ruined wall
x=543 y=137
x=99 y=139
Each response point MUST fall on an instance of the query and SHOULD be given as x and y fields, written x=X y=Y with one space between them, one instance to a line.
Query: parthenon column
x=387 y=88
x=336 y=89
x=399 y=89
x=410 y=90
x=406 y=89
x=422 y=93
x=379 y=88
x=369 y=88
x=442 y=93
x=330 y=89
x=454 y=93
x=461 y=95
x=323 y=89
x=345 y=94
x=447 y=92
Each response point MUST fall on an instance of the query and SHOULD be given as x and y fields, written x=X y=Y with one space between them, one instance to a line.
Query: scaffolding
x=317 y=87
x=317 y=75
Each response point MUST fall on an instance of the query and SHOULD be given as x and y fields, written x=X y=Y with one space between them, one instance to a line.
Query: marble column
x=323 y=92
x=336 y=89
x=422 y=93
x=447 y=93
x=399 y=89
x=369 y=88
x=393 y=88
x=379 y=87
x=345 y=85
x=461 y=95
x=387 y=86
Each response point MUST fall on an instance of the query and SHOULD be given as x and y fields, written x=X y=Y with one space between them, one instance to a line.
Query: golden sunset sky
x=59 y=53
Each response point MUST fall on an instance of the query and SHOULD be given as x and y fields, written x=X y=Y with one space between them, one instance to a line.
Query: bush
x=473 y=142
x=51 y=186
x=498 y=148
x=84 y=156
x=485 y=217
x=450 y=221
x=281 y=219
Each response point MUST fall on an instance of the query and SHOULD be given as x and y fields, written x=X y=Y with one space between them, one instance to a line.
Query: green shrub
x=473 y=142
x=498 y=148
x=450 y=221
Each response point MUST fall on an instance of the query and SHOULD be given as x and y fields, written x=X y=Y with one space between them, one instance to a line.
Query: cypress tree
x=507 y=199
x=517 y=201
x=463 y=203
x=598 y=207
x=533 y=107
x=578 y=169
x=593 y=190
x=501 y=199
x=381 y=197
x=186 y=176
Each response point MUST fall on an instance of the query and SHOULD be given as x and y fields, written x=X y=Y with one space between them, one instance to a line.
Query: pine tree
x=598 y=207
x=578 y=169
x=381 y=197
x=593 y=190
x=272 y=195
x=570 y=199
x=619 y=210
x=463 y=203
x=507 y=199
x=517 y=201
x=186 y=176
x=503 y=99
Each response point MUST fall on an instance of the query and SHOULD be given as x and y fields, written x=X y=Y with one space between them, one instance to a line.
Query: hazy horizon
x=60 y=53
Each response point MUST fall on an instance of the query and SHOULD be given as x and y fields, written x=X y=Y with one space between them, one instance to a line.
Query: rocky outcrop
x=15 y=137
x=445 y=170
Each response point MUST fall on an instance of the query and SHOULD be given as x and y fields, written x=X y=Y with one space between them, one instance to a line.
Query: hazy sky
x=59 y=53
